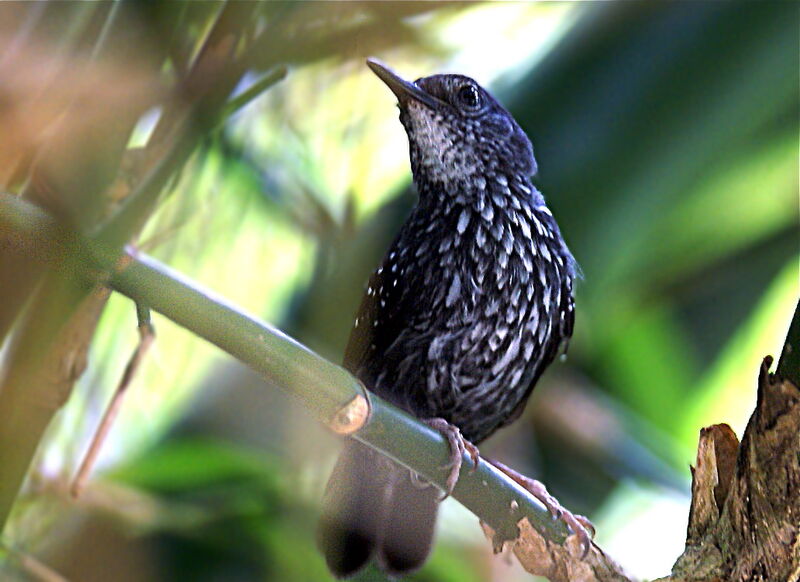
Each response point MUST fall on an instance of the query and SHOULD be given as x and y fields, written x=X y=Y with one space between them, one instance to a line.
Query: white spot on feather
x=512 y=350
x=526 y=228
x=463 y=221
x=454 y=292
x=480 y=237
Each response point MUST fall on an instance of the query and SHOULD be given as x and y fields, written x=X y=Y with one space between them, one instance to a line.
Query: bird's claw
x=458 y=447
x=578 y=524
x=581 y=527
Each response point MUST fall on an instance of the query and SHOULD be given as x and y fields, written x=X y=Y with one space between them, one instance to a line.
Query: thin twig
x=146 y=338
x=255 y=90
x=34 y=568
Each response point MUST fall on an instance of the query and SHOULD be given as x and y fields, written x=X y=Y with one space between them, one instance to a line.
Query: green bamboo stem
x=325 y=388
x=320 y=385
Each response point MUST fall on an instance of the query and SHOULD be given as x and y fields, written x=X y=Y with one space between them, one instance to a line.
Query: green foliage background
x=667 y=141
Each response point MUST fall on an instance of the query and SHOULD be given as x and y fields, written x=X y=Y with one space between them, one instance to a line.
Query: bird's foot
x=458 y=446
x=580 y=525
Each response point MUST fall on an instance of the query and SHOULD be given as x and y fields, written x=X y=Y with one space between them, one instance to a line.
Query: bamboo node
x=350 y=417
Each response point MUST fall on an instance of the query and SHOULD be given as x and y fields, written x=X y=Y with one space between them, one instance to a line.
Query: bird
x=470 y=304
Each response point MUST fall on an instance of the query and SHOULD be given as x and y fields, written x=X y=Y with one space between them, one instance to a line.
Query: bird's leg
x=458 y=446
x=146 y=337
x=580 y=525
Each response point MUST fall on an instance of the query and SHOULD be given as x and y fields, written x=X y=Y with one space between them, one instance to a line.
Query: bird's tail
x=372 y=508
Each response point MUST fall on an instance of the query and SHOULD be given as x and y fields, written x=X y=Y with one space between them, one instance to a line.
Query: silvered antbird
x=471 y=303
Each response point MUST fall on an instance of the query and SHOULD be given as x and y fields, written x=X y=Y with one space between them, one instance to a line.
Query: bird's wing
x=381 y=318
x=361 y=336
x=388 y=347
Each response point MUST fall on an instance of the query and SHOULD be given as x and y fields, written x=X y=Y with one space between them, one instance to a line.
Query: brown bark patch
x=745 y=515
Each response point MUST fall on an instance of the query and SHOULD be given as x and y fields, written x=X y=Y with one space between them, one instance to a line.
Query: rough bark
x=745 y=514
x=744 y=518
x=560 y=562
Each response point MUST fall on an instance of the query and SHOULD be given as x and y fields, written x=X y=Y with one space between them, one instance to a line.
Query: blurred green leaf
x=192 y=464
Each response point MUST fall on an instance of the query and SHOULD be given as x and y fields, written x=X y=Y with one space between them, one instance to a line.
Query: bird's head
x=457 y=130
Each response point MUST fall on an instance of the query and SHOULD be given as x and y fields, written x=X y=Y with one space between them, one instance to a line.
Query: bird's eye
x=469 y=97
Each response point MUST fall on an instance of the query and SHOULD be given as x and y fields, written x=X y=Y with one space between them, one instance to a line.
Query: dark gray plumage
x=471 y=303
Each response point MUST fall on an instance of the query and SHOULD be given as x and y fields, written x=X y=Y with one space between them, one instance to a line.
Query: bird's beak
x=404 y=90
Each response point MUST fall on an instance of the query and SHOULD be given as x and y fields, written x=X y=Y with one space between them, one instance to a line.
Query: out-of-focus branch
x=207 y=86
x=35 y=570
x=54 y=314
x=47 y=352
